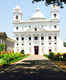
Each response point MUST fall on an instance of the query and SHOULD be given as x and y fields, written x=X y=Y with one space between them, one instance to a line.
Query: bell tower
x=55 y=12
x=17 y=14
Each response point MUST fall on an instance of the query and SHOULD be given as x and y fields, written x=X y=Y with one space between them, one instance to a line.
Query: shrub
x=9 y=58
x=51 y=55
x=58 y=57
x=17 y=55
x=64 y=44
x=22 y=51
x=64 y=57
x=2 y=61
x=45 y=55
x=2 y=46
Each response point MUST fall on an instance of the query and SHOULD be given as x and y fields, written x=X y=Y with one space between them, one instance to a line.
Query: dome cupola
x=38 y=14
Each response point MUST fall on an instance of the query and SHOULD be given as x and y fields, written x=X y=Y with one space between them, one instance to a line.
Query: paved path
x=33 y=57
x=33 y=68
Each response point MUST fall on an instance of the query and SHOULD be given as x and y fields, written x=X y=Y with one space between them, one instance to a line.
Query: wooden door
x=36 y=50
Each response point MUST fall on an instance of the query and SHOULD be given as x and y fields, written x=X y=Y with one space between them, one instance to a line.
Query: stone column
x=46 y=43
x=32 y=46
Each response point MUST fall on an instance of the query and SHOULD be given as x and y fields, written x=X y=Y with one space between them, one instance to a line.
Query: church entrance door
x=36 y=50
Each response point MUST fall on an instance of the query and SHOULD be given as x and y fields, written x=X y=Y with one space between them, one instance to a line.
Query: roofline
x=37 y=31
x=32 y=21
x=8 y=38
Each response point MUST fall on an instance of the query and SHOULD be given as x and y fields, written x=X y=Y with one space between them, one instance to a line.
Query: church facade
x=38 y=35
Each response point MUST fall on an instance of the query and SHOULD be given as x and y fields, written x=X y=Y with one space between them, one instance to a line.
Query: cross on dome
x=18 y=7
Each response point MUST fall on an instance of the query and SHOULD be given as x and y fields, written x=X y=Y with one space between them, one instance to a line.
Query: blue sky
x=28 y=9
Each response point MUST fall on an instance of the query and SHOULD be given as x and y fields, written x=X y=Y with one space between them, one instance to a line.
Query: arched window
x=55 y=37
x=22 y=44
x=54 y=15
x=29 y=43
x=17 y=27
x=55 y=26
x=55 y=43
x=17 y=44
x=42 y=38
x=49 y=37
x=22 y=38
x=50 y=50
x=29 y=38
x=35 y=29
x=16 y=17
x=29 y=26
x=17 y=38
x=42 y=43
x=49 y=43
x=42 y=26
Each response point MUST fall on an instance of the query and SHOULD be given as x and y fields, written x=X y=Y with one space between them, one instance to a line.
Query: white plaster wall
x=46 y=30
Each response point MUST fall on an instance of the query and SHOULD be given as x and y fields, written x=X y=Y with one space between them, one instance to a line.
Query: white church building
x=38 y=35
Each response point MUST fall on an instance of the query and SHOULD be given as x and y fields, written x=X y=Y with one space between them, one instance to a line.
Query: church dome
x=38 y=14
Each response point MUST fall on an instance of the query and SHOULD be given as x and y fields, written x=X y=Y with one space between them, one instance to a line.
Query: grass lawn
x=18 y=59
x=6 y=59
x=58 y=59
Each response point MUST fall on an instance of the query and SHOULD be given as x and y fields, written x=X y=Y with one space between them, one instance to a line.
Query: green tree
x=64 y=44
x=2 y=47
x=48 y=2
